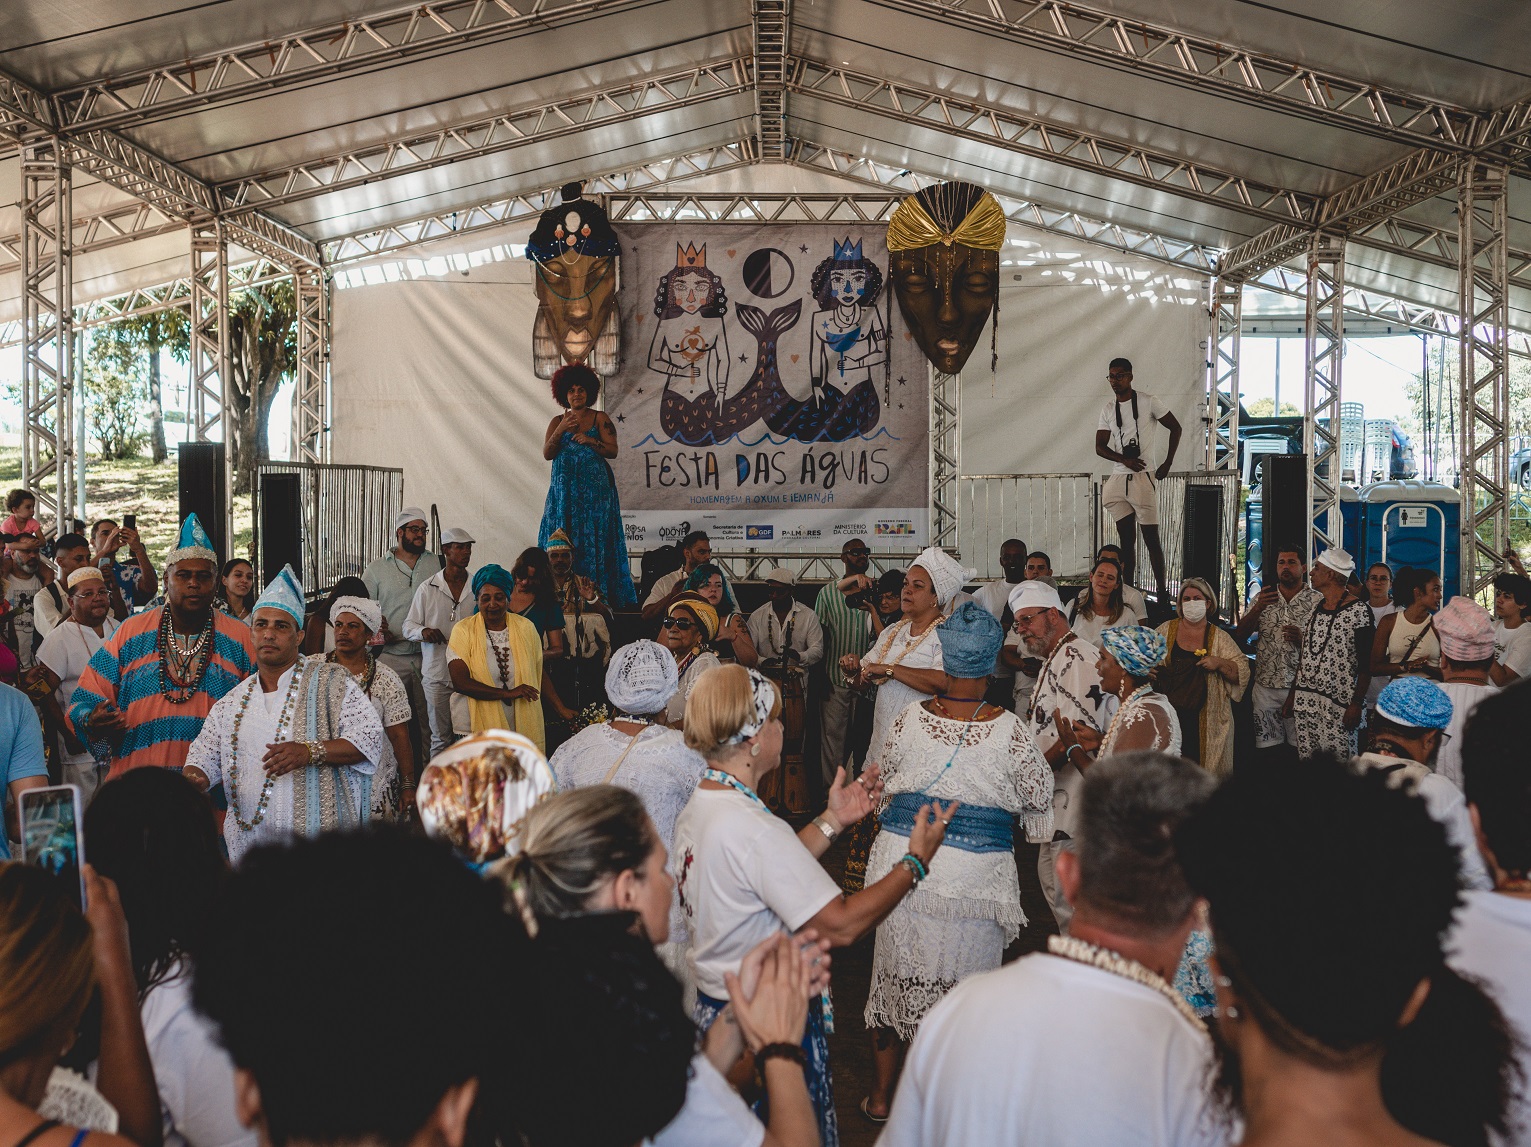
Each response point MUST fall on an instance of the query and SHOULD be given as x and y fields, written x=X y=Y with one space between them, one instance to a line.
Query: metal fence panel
x=1054 y=513
x=1172 y=532
x=347 y=514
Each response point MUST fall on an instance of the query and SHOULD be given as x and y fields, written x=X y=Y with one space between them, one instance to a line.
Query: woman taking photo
x=236 y=589
x=1205 y=673
x=687 y=631
x=355 y=620
x=1145 y=719
x=743 y=875
x=733 y=641
x=495 y=660
x=954 y=747
x=1099 y=606
x=1406 y=642
x=1339 y=1021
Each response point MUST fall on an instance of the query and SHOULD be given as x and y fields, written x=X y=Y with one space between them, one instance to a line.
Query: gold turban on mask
x=927 y=218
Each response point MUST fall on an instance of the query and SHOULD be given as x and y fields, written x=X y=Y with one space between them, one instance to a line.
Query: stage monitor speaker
x=1284 y=516
x=281 y=525
x=1201 y=551
x=204 y=490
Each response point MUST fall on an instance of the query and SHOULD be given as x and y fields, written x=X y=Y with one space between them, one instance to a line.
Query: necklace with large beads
x=181 y=669
x=281 y=723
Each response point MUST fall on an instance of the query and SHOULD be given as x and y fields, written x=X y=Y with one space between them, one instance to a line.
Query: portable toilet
x=1413 y=523
x=1352 y=537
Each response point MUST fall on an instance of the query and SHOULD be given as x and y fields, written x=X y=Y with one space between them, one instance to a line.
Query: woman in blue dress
x=582 y=496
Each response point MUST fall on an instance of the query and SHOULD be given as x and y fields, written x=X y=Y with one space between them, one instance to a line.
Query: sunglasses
x=862 y=553
x=679 y=623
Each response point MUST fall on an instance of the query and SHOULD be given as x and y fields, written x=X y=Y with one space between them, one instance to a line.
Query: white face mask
x=1194 y=610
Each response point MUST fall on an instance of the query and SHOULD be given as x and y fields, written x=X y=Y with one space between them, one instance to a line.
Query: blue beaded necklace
x=718 y=776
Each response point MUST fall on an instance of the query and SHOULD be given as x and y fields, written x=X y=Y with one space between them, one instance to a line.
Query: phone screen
x=50 y=834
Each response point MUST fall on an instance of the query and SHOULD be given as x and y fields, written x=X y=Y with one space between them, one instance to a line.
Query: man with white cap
x=392 y=581
x=442 y=600
x=784 y=630
x=1333 y=662
x=1068 y=689
x=1466 y=633
x=1406 y=733
x=64 y=654
x=296 y=745
x=1279 y=613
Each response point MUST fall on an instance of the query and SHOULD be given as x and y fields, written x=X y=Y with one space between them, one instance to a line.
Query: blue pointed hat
x=285 y=593
x=193 y=543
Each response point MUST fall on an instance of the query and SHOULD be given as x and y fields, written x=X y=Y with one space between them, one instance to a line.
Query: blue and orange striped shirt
x=126 y=672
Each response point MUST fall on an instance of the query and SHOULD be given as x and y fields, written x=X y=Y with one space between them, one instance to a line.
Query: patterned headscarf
x=701 y=609
x=369 y=612
x=1465 y=629
x=1415 y=703
x=492 y=574
x=641 y=678
x=1137 y=648
x=947 y=574
x=970 y=641
x=764 y=692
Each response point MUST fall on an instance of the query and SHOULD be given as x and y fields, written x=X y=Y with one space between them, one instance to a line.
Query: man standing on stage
x=847 y=630
x=296 y=745
x=442 y=600
x=1068 y=689
x=392 y=581
x=1333 y=662
x=144 y=695
x=784 y=630
x=1130 y=493
x=1280 y=614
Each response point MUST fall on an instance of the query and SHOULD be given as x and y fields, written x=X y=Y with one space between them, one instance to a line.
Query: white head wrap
x=765 y=700
x=641 y=678
x=1337 y=560
x=368 y=611
x=947 y=575
x=1035 y=595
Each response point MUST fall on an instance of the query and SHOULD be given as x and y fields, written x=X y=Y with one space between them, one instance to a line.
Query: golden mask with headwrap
x=574 y=255
x=943 y=245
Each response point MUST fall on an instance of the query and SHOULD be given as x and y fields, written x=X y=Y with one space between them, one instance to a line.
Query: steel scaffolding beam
x=1225 y=310
x=538 y=124
x=1038 y=138
x=212 y=411
x=772 y=26
x=945 y=456
x=1321 y=387
x=110 y=228
x=310 y=398
x=47 y=320
x=1484 y=374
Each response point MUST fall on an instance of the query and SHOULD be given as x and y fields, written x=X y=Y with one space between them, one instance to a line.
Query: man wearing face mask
x=1131 y=493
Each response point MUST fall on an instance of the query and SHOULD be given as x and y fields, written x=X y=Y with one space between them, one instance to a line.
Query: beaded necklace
x=718 y=776
x=1072 y=948
x=685 y=662
x=181 y=668
x=1042 y=673
x=961 y=737
x=502 y=658
x=1122 y=711
x=281 y=723
x=911 y=643
x=363 y=679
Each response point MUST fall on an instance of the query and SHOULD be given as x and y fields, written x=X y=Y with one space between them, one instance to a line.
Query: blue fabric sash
x=972 y=828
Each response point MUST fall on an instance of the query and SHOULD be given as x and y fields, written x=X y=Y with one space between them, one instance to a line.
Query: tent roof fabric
x=1168 y=117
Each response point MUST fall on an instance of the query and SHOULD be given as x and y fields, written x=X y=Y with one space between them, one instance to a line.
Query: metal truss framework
x=420 y=30
x=211 y=410
x=945 y=456
x=1484 y=384
x=533 y=125
x=110 y=228
x=1321 y=386
x=1225 y=310
x=772 y=20
x=310 y=399
x=47 y=359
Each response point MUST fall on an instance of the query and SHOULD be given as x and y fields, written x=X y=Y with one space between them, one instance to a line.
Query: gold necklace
x=1094 y=956
x=911 y=643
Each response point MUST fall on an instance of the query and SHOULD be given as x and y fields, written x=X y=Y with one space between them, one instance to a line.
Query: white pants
x=1271 y=728
x=438 y=705
x=1047 y=873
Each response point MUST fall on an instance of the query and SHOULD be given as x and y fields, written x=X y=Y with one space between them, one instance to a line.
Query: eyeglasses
x=679 y=623
x=861 y=553
x=413 y=529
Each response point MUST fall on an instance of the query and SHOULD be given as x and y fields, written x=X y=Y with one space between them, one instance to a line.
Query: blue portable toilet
x=1352 y=537
x=1414 y=523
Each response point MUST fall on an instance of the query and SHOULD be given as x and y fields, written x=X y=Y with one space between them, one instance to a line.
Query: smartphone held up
x=52 y=834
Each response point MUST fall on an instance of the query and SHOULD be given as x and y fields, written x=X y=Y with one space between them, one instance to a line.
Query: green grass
x=135 y=486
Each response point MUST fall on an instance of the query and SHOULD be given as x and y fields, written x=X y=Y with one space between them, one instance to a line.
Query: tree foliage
x=1266 y=408
x=149 y=334
x=263 y=351
x=114 y=394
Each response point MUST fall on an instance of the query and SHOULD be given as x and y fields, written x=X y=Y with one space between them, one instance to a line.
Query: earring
x=754 y=750
x=1231 y=1012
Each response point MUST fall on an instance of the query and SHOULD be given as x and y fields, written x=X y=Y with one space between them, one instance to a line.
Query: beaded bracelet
x=915 y=865
x=316 y=752
x=791 y=1051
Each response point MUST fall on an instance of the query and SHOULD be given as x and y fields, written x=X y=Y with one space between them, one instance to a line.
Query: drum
x=785 y=789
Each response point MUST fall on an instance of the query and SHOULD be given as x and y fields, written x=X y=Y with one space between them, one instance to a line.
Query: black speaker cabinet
x=204 y=490
x=281 y=525
x=1285 y=519
x=1201 y=552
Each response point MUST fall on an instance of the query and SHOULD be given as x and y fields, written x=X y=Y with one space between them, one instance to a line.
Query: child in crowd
x=20 y=503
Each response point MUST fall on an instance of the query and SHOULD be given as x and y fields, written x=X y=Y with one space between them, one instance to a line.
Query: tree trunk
x=156 y=410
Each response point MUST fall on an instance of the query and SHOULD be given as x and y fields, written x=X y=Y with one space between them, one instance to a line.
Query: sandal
x=867 y=1115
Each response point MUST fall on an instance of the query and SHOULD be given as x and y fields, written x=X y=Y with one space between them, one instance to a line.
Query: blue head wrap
x=285 y=593
x=970 y=640
x=492 y=574
x=1415 y=703
x=1137 y=648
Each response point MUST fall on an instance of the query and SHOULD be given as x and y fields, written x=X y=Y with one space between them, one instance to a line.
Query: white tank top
x=1404 y=634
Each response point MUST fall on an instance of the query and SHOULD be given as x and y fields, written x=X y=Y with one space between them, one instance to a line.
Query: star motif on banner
x=804 y=248
x=901 y=406
x=744 y=358
x=640 y=390
x=902 y=381
x=621 y=418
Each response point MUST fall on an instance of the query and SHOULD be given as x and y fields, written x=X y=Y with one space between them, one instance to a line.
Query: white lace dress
x=959 y=920
x=895 y=646
x=1156 y=710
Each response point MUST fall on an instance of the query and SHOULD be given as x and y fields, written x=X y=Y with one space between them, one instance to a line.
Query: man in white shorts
x=1279 y=613
x=1131 y=492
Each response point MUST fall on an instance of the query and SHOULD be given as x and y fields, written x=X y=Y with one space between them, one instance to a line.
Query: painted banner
x=768 y=392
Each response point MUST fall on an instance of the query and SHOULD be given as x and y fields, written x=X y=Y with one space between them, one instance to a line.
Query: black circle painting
x=768 y=273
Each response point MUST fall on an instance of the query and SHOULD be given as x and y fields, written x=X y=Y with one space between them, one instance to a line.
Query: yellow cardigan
x=470 y=641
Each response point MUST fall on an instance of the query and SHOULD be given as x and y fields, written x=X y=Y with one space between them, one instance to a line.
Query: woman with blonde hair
x=1203 y=673
x=743 y=875
x=52 y=958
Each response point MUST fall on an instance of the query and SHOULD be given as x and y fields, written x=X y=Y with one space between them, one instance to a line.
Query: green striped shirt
x=846 y=630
